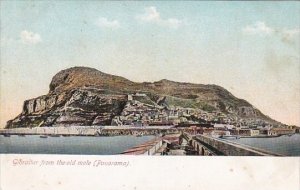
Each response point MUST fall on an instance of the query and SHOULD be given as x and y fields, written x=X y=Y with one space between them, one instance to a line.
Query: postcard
x=150 y=95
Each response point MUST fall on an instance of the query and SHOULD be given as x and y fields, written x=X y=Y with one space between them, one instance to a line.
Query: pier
x=206 y=145
x=200 y=145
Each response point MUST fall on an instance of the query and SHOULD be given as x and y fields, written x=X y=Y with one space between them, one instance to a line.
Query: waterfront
x=286 y=145
x=33 y=144
x=89 y=145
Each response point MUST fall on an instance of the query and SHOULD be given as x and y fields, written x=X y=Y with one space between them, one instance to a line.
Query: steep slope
x=78 y=77
x=86 y=96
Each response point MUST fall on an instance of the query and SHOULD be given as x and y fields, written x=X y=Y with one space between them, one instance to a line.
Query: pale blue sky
x=250 y=48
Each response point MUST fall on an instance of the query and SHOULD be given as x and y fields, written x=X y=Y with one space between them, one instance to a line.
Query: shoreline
x=108 y=131
x=91 y=131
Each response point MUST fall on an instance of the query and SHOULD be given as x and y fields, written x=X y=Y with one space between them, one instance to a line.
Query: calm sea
x=33 y=144
x=286 y=145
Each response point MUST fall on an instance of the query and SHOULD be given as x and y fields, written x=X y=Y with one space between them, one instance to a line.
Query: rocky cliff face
x=86 y=96
x=83 y=106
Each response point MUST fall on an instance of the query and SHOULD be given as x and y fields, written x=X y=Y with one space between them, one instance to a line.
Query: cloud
x=258 y=28
x=287 y=36
x=151 y=15
x=28 y=37
x=103 y=22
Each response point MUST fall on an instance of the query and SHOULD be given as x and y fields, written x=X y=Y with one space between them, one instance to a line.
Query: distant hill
x=86 y=96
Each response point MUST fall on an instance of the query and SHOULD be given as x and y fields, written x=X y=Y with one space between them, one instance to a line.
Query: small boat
x=21 y=135
x=139 y=135
x=43 y=136
x=6 y=135
x=54 y=135
x=230 y=137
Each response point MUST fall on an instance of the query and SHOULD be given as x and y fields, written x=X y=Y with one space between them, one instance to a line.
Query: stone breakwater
x=93 y=131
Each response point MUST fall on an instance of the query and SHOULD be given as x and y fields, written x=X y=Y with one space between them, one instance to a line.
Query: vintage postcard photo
x=149 y=78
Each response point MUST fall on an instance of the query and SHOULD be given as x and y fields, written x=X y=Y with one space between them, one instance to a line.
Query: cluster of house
x=227 y=129
x=140 y=114
x=230 y=118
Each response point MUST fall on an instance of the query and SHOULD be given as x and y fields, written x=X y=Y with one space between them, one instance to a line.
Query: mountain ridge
x=87 y=96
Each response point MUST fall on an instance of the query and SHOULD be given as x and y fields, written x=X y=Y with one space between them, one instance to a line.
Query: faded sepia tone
x=150 y=78
x=184 y=95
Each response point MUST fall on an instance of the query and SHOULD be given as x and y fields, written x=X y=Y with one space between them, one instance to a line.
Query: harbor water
x=286 y=145
x=87 y=145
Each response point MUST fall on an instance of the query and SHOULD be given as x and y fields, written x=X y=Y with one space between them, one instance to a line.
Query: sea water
x=286 y=145
x=33 y=144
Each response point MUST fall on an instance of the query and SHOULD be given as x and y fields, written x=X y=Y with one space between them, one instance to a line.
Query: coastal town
x=159 y=118
x=141 y=116
x=213 y=123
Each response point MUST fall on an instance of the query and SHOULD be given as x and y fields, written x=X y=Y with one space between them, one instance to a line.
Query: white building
x=223 y=126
